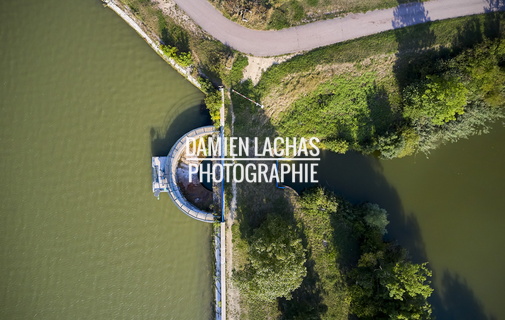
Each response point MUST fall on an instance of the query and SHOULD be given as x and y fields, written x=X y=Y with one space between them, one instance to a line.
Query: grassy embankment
x=278 y=14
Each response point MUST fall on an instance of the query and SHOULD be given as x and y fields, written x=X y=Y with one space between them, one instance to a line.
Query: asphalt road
x=322 y=33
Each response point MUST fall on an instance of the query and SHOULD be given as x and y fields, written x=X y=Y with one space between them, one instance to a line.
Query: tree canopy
x=276 y=261
x=385 y=288
x=438 y=100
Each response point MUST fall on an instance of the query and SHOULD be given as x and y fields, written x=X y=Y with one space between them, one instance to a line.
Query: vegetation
x=330 y=243
x=184 y=58
x=438 y=100
x=344 y=111
x=328 y=262
x=390 y=288
x=237 y=71
x=448 y=86
x=276 y=262
x=383 y=284
x=213 y=103
x=395 y=93
x=278 y=14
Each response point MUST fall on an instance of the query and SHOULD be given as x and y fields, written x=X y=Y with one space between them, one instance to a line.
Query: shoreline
x=132 y=21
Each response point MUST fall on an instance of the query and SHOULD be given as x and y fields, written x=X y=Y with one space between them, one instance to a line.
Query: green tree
x=213 y=102
x=438 y=100
x=386 y=286
x=484 y=71
x=276 y=262
x=376 y=217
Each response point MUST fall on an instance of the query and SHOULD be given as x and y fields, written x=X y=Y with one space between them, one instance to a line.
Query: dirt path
x=321 y=33
x=233 y=293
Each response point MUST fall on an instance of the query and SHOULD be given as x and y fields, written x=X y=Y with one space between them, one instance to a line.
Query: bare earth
x=257 y=65
x=322 y=33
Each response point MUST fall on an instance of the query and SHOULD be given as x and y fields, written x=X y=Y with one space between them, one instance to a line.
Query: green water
x=84 y=103
x=447 y=209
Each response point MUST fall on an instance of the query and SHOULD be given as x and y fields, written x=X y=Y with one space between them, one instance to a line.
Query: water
x=84 y=103
x=447 y=209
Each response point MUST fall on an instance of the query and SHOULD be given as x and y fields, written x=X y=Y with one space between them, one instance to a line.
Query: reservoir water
x=84 y=103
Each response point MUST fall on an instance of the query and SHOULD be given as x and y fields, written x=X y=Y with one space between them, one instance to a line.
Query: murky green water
x=448 y=210
x=84 y=103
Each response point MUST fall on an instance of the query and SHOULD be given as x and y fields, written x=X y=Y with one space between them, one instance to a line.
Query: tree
x=438 y=100
x=387 y=286
x=376 y=217
x=213 y=103
x=276 y=262
x=483 y=68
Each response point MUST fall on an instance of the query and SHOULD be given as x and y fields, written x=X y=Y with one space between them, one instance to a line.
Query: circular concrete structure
x=172 y=163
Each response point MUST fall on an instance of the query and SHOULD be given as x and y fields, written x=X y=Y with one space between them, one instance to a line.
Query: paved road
x=321 y=33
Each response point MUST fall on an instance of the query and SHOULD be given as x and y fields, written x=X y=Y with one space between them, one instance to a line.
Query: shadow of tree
x=493 y=24
x=307 y=302
x=414 y=44
x=162 y=139
x=457 y=301
x=468 y=34
x=381 y=114
x=495 y=5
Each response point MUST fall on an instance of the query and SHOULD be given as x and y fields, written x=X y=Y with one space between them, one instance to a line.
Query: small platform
x=160 y=179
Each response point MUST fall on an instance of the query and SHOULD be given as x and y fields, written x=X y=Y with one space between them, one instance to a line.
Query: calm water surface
x=84 y=103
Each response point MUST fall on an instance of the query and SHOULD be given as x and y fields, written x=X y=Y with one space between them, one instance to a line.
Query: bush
x=398 y=144
x=184 y=59
x=213 y=102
